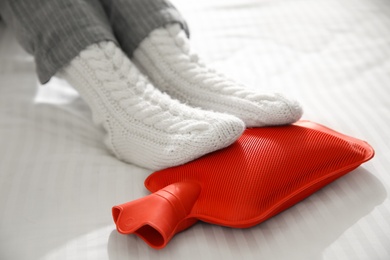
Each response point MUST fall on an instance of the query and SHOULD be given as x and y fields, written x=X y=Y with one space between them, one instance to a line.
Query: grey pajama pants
x=55 y=31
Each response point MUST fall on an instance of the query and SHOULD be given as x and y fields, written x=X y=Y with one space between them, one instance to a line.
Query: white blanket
x=58 y=182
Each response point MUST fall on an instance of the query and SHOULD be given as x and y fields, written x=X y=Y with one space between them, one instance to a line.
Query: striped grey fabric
x=133 y=20
x=55 y=31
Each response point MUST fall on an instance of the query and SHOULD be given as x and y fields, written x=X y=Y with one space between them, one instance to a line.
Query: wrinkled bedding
x=58 y=182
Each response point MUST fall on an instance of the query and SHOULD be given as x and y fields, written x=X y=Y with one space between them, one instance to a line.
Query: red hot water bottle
x=266 y=171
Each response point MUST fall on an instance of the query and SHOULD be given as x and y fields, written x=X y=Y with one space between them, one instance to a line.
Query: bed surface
x=58 y=182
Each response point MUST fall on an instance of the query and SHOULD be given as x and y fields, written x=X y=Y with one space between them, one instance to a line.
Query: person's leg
x=73 y=39
x=154 y=34
x=133 y=20
x=55 y=31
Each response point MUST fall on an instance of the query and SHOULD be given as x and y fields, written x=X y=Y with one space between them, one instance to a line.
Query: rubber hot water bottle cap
x=266 y=171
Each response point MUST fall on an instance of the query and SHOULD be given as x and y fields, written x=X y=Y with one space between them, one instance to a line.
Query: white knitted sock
x=165 y=56
x=144 y=126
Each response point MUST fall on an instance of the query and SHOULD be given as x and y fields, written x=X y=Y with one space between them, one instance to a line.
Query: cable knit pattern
x=144 y=126
x=166 y=57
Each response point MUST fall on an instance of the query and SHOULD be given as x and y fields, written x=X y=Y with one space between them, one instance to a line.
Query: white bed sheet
x=58 y=182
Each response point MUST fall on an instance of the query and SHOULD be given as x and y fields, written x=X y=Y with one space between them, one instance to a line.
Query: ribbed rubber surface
x=266 y=171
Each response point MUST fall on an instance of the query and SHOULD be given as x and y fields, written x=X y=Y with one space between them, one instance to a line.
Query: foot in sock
x=166 y=58
x=144 y=126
